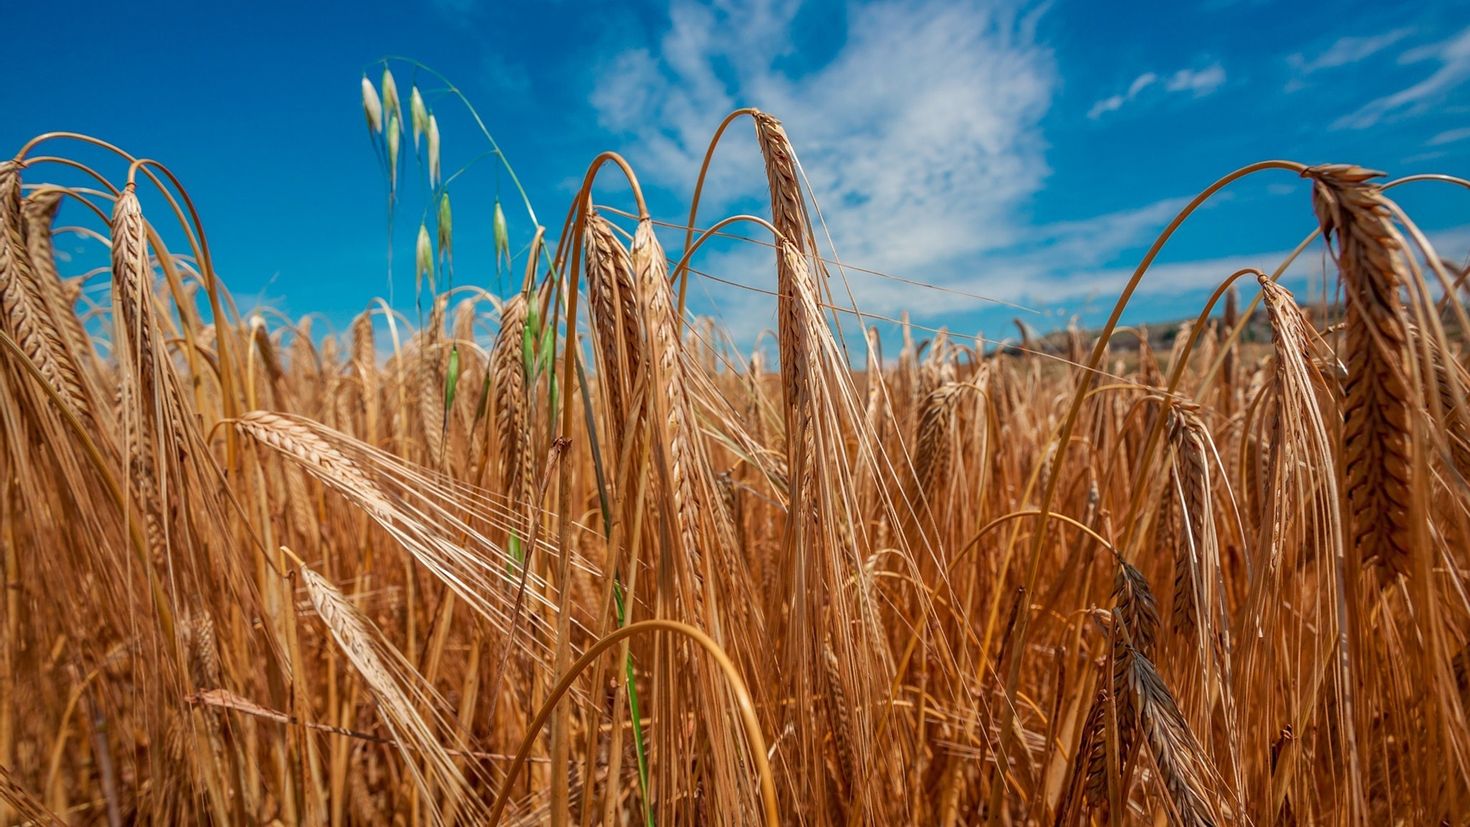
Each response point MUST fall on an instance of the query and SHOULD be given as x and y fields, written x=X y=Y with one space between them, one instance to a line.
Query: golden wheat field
x=570 y=557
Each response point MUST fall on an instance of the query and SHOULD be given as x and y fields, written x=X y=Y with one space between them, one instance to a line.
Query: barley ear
x=1378 y=418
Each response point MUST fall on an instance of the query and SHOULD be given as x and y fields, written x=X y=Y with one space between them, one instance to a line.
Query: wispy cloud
x=1096 y=239
x=1115 y=102
x=1062 y=267
x=923 y=128
x=921 y=135
x=1199 y=82
x=1452 y=59
x=1034 y=281
x=1057 y=263
x=1450 y=136
x=1347 y=50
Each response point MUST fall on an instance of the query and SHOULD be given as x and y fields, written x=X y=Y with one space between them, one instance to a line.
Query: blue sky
x=1027 y=153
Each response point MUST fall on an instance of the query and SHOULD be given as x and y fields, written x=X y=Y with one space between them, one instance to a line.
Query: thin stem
x=744 y=705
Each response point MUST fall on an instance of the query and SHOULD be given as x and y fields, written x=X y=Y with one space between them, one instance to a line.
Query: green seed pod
x=446 y=229
x=529 y=335
x=423 y=256
x=502 y=236
x=372 y=107
x=433 y=151
x=451 y=377
x=391 y=104
x=394 y=129
x=418 y=114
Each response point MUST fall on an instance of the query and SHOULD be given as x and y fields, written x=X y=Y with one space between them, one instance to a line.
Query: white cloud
x=1090 y=240
x=1114 y=103
x=1425 y=157
x=1056 y=262
x=1450 y=136
x=1421 y=53
x=1054 y=284
x=1141 y=83
x=1348 y=50
x=1199 y=82
x=1106 y=105
x=920 y=135
x=1453 y=59
x=1063 y=267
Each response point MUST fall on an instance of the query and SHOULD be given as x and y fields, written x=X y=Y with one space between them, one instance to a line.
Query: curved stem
x=77 y=165
x=681 y=270
x=1428 y=176
x=80 y=199
x=737 y=688
x=596 y=166
x=974 y=541
x=709 y=154
x=74 y=136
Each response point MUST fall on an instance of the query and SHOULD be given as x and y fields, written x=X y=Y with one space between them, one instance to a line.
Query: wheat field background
x=570 y=556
